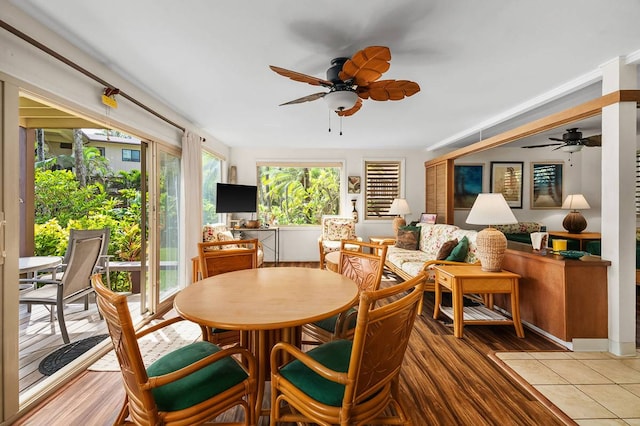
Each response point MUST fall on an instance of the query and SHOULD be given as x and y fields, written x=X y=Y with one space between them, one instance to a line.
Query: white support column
x=618 y=207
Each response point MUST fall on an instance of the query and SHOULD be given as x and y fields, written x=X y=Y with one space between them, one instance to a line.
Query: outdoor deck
x=39 y=336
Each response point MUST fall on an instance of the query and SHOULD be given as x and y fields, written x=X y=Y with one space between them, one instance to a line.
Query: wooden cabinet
x=439 y=190
x=564 y=297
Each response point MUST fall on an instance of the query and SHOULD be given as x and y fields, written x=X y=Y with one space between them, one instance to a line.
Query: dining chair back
x=190 y=385
x=350 y=382
x=218 y=257
x=73 y=284
x=366 y=270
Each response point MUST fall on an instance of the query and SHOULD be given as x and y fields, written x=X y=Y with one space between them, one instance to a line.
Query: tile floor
x=592 y=388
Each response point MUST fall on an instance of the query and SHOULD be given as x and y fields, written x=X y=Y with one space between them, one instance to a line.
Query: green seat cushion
x=459 y=252
x=199 y=386
x=329 y=324
x=334 y=355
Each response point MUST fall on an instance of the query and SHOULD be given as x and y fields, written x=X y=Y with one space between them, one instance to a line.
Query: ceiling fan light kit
x=341 y=100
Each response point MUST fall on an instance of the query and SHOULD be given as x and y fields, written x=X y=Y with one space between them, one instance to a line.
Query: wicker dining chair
x=366 y=270
x=190 y=385
x=218 y=257
x=350 y=382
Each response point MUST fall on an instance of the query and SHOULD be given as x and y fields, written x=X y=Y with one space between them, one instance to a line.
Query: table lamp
x=574 y=222
x=491 y=209
x=399 y=207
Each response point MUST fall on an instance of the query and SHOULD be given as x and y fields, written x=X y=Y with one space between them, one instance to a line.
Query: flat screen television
x=236 y=198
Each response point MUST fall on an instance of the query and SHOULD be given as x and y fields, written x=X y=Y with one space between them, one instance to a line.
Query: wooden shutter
x=439 y=190
x=382 y=186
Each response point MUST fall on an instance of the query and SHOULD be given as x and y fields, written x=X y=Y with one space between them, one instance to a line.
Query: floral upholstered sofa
x=408 y=263
x=519 y=232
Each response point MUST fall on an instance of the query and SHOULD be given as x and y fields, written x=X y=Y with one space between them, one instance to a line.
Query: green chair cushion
x=334 y=355
x=199 y=386
x=329 y=324
x=459 y=252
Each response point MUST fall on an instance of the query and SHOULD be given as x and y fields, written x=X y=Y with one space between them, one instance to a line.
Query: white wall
x=581 y=174
x=299 y=243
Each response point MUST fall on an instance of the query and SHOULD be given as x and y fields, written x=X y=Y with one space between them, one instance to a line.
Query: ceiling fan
x=572 y=141
x=350 y=80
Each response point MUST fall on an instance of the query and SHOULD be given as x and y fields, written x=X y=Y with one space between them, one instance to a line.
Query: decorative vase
x=354 y=212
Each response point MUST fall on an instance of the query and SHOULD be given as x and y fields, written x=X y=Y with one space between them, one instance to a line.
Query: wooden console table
x=582 y=237
x=472 y=279
x=566 y=298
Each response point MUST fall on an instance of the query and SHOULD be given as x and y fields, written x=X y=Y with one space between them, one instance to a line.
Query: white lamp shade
x=400 y=207
x=575 y=202
x=491 y=209
x=341 y=100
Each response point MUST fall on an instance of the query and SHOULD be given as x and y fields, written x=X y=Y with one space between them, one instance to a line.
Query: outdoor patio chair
x=73 y=284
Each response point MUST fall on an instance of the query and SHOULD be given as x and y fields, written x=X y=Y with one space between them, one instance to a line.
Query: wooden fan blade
x=304 y=78
x=388 y=90
x=595 y=140
x=367 y=65
x=542 y=146
x=352 y=110
x=307 y=98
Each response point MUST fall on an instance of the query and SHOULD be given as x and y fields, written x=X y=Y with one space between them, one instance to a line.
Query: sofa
x=408 y=262
x=519 y=232
x=219 y=232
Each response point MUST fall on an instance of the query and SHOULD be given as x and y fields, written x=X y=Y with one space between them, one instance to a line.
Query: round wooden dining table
x=271 y=304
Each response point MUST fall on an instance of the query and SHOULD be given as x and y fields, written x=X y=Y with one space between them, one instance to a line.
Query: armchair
x=350 y=382
x=334 y=230
x=190 y=385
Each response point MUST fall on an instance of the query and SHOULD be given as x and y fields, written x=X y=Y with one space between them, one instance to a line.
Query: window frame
x=131 y=158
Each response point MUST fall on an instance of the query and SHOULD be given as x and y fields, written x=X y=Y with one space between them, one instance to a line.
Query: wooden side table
x=582 y=237
x=331 y=260
x=461 y=280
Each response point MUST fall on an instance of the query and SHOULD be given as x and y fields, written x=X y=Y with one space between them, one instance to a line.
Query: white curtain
x=191 y=200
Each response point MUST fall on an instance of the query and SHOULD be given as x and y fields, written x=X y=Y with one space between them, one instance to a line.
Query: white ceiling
x=475 y=60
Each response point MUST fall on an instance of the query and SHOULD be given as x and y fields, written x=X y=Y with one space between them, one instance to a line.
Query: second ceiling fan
x=572 y=141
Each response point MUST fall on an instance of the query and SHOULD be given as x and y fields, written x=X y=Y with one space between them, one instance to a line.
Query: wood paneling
x=438 y=184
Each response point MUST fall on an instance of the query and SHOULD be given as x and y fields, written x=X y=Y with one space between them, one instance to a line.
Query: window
x=382 y=185
x=211 y=175
x=298 y=193
x=132 y=155
x=102 y=150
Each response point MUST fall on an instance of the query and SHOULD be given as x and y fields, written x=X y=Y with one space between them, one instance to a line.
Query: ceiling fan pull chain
x=329 y=121
x=340 y=125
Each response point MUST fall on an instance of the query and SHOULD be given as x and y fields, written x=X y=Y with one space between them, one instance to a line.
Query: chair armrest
x=316 y=367
x=248 y=364
x=157 y=326
x=430 y=263
x=38 y=281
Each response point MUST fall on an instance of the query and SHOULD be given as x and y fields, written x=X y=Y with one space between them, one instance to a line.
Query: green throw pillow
x=408 y=237
x=459 y=252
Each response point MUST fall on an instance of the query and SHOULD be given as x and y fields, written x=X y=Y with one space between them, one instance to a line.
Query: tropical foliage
x=298 y=195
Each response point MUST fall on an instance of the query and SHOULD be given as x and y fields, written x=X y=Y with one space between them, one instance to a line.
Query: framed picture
x=354 y=184
x=546 y=185
x=506 y=178
x=428 y=218
x=467 y=181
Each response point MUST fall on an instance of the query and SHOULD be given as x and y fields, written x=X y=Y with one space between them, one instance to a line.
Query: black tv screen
x=236 y=198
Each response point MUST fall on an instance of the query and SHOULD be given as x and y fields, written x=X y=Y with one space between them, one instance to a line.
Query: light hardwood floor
x=447 y=381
